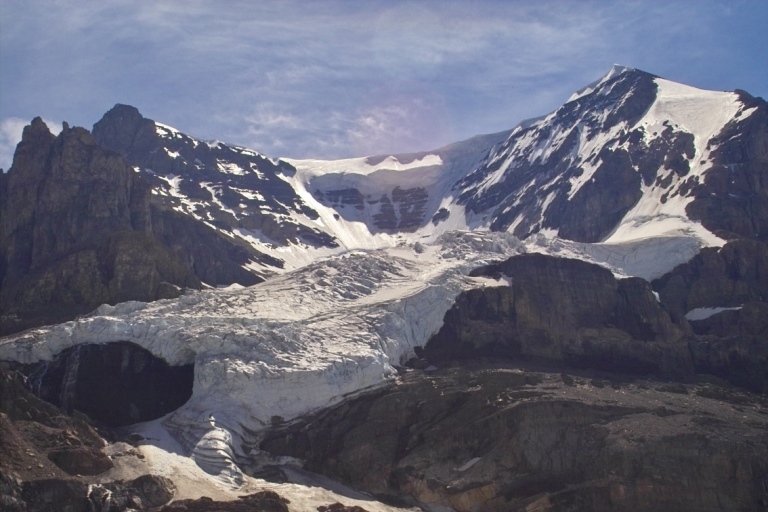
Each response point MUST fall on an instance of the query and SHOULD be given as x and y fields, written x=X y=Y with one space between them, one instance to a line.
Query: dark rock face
x=441 y=215
x=338 y=507
x=213 y=258
x=732 y=344
x=78 y=229
x=563 y=310
x=76 y=232
x=264 y=501
x=81 y=461
x=576 y=314
x=491 y=437
x=393 y=211
x=733 y=275
x=115 y=383
x=733 y=200
x=248 y=190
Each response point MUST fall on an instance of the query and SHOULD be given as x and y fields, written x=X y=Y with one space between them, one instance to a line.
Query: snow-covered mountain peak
x=615 y=71
x=619 y=161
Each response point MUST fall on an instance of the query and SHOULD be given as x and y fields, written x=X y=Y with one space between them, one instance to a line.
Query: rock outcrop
x=264 y=501
x=52 y=461
x=77 y=230
x=232 y=188
x=728 y=276
x=729 y=285
x=495 y=437
x=567 y=311
x=733 y=200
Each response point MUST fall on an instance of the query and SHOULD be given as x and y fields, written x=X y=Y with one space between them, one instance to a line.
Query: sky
x=342 y=78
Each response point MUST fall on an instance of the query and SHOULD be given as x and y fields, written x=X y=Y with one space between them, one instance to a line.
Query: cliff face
x=563 y=310
x=77 y=229
x=76 y=232
x=577 y=314
x=733 y=200
x=731 y=285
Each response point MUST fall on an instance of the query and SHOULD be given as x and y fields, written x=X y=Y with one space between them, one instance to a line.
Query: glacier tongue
x=306 y=339
x=295 y=343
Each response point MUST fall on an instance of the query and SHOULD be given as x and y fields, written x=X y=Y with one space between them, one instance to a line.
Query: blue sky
x=334 y=79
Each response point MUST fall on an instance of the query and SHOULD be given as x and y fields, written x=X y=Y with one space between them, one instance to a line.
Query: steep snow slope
x=619 y=162
x=661 y=209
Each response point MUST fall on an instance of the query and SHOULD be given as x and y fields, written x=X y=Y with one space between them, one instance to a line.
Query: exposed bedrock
x=732 y=343
x=728 y=276
x=50 y=461
x=733 y=200
x=115 y=383
x=492 y=437
x=564 y=310
x=264 y=501
x=395 y=210
x=54 y=495
x=77 y=230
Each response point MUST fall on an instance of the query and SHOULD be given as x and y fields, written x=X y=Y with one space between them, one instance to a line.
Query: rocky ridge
x=79 y=230
x=228 y=187
x=633 y=155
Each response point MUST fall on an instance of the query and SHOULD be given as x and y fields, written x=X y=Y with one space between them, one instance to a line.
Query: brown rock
x=264 y=501
x=81 y=461
x=76 y=232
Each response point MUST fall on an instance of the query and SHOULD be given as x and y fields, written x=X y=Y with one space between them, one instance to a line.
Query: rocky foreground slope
x=504 y=436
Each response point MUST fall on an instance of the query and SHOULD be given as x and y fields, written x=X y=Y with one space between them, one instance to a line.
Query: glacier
x=311 y=337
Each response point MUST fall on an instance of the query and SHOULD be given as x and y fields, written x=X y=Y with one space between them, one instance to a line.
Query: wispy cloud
x=341 y=78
